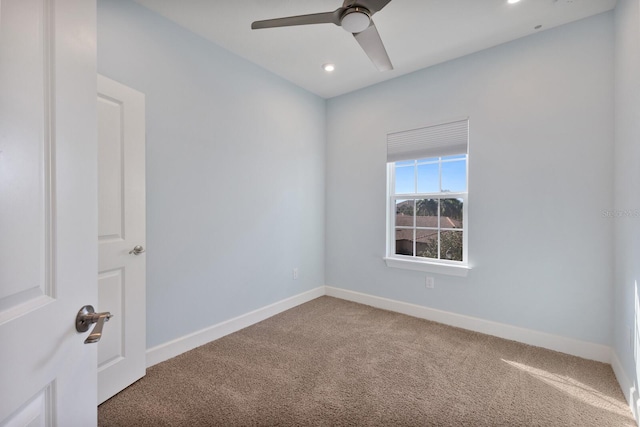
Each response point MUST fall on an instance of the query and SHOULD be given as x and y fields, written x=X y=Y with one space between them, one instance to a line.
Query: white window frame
x=431 y=265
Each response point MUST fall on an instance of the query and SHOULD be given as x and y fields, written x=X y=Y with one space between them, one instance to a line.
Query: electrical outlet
x=295 y=273
x=430 y=282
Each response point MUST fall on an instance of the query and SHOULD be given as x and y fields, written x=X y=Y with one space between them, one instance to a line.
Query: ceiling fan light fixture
x=356 y=20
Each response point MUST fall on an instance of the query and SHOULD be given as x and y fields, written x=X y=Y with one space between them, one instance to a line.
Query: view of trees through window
x=429 y=224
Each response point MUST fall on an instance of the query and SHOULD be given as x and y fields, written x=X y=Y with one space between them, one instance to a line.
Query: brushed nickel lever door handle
x=87 y=316
x=137 y=250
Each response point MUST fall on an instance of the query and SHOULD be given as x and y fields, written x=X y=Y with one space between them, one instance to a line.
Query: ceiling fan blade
x=372 y=5
x=314 y=18
x=371 y=43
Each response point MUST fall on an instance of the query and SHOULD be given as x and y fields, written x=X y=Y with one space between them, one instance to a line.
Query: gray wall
x=627 y=184
x=235 y=173
x=540 y=176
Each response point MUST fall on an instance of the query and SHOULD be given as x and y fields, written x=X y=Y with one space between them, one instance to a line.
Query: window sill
x=429 y=267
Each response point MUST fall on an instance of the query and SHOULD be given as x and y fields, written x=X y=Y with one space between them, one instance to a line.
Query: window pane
x=455 y=157
x=404 y=241
x=428 y=160
x=405 y=179
x=454 y=176
x=427 y=213
x=451 y=213
x=427 y=243
x=404 y=213
x=428 y=178
x=430 y=228
x=451 y=245
x=405 y=163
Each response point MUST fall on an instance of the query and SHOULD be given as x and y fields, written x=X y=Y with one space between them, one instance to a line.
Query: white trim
x=584 y=349
x=587 y=350
x=429 y=267
x=629 y=389
x=188 y=342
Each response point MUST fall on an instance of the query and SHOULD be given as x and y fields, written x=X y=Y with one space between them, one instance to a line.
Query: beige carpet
x=332 y=362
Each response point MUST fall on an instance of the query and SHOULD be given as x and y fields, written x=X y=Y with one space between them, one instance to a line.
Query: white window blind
x=445 y=139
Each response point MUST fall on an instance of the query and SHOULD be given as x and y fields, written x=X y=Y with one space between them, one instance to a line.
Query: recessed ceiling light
x=328 y=67
x=512 y=1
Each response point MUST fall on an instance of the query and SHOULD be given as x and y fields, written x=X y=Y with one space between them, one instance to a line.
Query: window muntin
x=428 y=203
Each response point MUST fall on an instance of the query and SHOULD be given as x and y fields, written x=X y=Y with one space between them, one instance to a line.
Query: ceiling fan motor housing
x=355 y=19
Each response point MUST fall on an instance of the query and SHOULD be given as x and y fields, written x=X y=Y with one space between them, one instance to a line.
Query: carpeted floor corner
x=331 y=362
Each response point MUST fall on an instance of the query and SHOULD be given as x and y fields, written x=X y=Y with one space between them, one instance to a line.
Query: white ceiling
x=416 y=33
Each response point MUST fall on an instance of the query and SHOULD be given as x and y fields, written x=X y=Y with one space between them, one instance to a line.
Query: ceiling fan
x=355 y=17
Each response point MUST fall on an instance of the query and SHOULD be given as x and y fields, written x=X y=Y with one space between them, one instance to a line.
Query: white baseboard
x=188 y=342
x=571 y=346
x=586 y=350
x=628 y=387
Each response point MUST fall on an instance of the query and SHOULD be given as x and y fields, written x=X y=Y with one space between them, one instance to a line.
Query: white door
x=121 y=228
x=48 y=211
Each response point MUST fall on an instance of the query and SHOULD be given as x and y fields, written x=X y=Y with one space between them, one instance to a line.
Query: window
x=427 y=198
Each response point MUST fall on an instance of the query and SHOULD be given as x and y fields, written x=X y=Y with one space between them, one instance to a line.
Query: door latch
x=87 y=316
